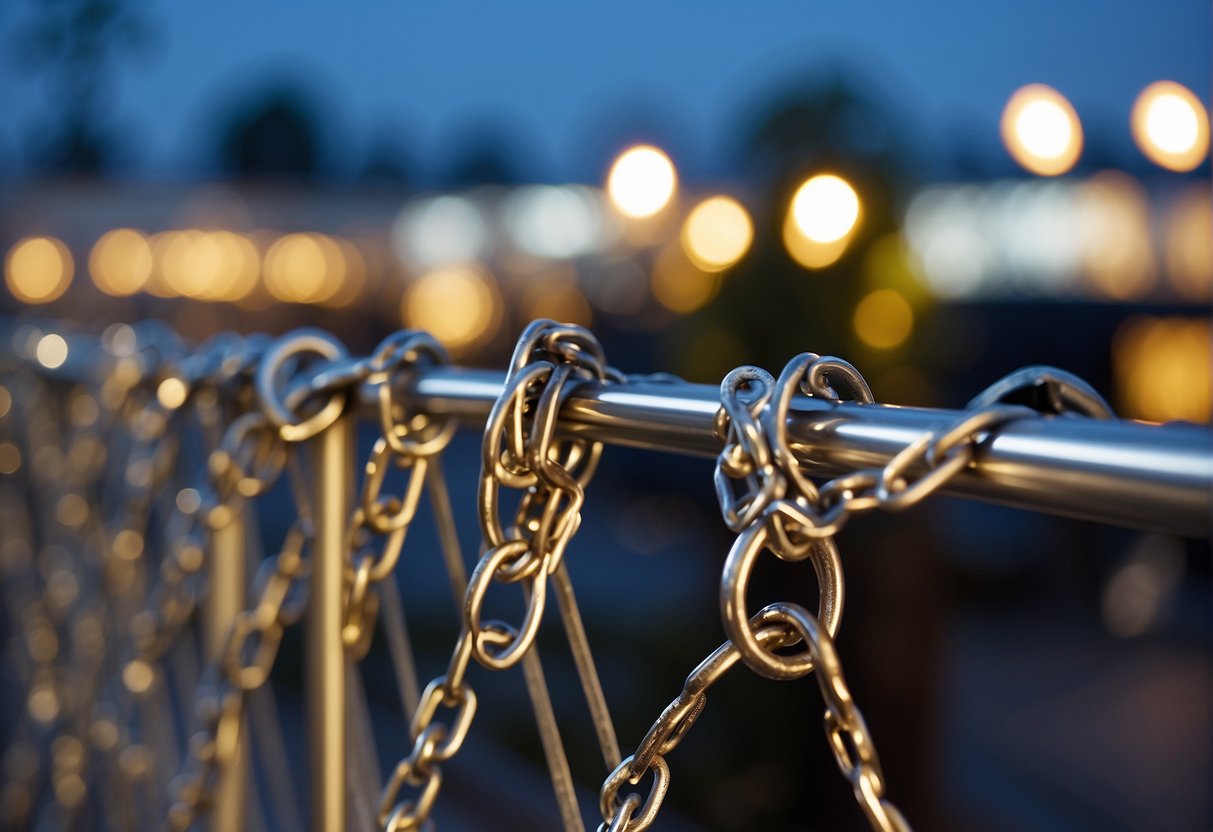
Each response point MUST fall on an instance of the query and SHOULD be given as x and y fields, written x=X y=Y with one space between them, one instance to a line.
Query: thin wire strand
x=587 y=671
x=553 y=746
x=448 y=533
x=400 y=647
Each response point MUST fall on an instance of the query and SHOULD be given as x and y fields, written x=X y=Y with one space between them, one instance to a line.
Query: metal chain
x=772 y=504
x=520 y=452
x=245 y=665
x=409 y=442
x=284 y=389
x=773 y=627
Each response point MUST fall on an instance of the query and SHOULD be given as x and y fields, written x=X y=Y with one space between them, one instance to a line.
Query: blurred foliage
x=75 y=47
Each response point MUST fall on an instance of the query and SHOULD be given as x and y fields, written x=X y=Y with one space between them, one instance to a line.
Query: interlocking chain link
x=520 y=452
x=298 y=399
x=407 y=441
x=773 y=627
x=765 y=497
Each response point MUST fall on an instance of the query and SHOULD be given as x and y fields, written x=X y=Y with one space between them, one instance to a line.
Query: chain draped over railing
x=133 y=477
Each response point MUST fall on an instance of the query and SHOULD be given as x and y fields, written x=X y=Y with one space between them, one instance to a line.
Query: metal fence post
x=332 y=455
x=224 y=601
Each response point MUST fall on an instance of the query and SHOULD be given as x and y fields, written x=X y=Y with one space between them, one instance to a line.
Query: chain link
x=251 y=400
x=521 y=452
x=408 y=442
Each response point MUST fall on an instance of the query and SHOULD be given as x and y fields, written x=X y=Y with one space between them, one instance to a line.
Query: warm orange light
x=457 y=305
x=354 y=284
x=679 y=285
x=825 y=209
x=204 y=265
x=1041 y=130
x=38 y=269
x=1188 y=244
x=809 y=253
x=1171 y=126
x=883 y=319
x=559 y=300
x=121 y=262
x=304 y=268
x=1164 y=368
x=1117 y=250
x=642 y=181
x=717 y=233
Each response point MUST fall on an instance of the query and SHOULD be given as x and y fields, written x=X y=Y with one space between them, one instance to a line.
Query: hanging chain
x=285 y=389
x=251 y=400
x=407 y=441
x=772 y=504
x=520 y=452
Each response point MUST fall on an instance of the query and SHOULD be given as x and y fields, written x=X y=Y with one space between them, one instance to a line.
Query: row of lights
x=1042 y=131
x=201 y=265
x=447 y=231
x=1097 y=237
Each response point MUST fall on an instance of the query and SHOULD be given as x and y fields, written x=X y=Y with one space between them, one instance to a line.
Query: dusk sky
x=555 y=74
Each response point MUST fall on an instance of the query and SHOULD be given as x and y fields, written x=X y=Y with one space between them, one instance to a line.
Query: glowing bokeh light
x=121 y=262
x=457 y=305
x=1041 y=130
x=826 y=208
x=352 y=287
x=204 y=265
x=883 y=319
x=554 y=222
x=809 y=253
x=1117 y=253
x=1163 y=368
x=1171 y=126
x=51 y=351
x=447 y=230
x=559 y=300
x=679 y=285
x=717 y=233
x=642 y=181
x=304 y=268
x=1188 y=244
x=38 y=269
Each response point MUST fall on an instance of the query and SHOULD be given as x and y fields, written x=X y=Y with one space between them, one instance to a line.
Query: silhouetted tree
x=484 y=155
x=75 y=45
x=274 y=137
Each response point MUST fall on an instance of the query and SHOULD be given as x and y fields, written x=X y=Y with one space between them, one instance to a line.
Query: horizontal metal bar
x=1156 y=477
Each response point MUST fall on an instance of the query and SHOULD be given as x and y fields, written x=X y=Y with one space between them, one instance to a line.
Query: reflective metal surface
x=1125 y=473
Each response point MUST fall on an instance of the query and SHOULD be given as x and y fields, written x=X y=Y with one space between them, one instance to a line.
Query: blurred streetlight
x=883 y=319
x=121 y=262
x=717 y=233
x=642 y=181
x=1041 y=130
x=51 y=351
x=456 y=304
x=1171 y=126
x=38 y=269
x=824 y=213
x=304 y=268
x=679 y=284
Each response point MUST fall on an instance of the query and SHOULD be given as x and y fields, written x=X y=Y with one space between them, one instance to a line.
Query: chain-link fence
x=205 y=600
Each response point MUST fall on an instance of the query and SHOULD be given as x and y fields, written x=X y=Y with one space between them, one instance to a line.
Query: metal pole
x=225 y=600
x=332 y=453
x=1157 y=477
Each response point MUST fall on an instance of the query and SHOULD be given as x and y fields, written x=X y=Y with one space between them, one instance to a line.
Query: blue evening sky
x=555 y=74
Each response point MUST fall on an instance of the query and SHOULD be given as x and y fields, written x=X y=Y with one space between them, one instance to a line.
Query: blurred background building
x=937 y=193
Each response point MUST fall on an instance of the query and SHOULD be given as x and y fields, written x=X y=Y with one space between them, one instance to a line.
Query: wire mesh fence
x=243 y=591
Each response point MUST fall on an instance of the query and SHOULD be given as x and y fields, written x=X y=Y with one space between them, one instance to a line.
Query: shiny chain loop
x=407 y=442
x=521 y=452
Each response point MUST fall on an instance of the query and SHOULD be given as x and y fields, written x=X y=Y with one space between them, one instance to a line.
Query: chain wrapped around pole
x=144 y=463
